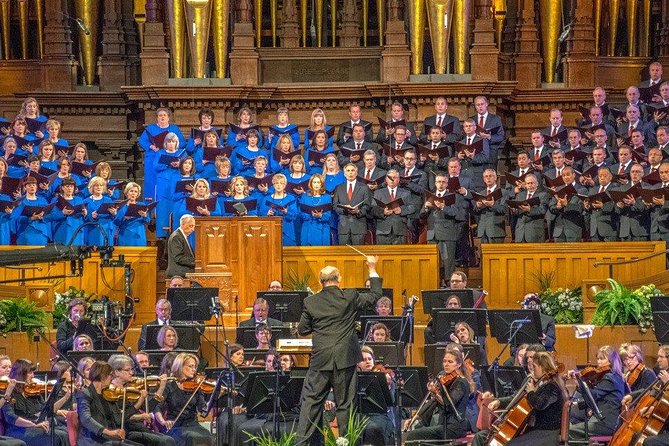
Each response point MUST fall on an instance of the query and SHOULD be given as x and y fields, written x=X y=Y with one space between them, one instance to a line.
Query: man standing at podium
x=330 y=317
x=180 y=258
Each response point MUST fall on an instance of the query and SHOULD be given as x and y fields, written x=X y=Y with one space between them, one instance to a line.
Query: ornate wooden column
x=154 y=57
x=396 y=57
x=349 y=37
x=244 y=59
x=508 y=43
x=290 y=30
x=580 y=59
x=59 y=68
x=527 y=62
x=131 y=43
x=112 y=65
x=484 y=54
x=664 y=35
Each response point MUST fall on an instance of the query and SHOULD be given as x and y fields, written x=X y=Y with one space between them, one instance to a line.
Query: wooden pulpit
x=238 y=255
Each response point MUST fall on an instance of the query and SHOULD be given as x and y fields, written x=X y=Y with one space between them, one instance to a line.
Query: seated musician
x=453 y=302
x=637 y=376
x=82 y=343
x=464 y=334
x=185 y=429
x=70 y=327
x=380 y=333
x=263 y=337
x=84 y=367
x=64 y=370
x=167 y=338
x=97 y=423
x=384 y=306
x=458 y=385
x=163 y=316
x=137 y=416
x=20 y=418
x=260 y=315
x=530 y=352
x=379 y=429
x=517 y=360
x=662 y=439
x=607 y=393
x=546 y=394
x=235 y=353
x=142 y=359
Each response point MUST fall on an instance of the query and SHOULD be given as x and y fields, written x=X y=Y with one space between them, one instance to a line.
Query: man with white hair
x=180 y=257
x=329 y=316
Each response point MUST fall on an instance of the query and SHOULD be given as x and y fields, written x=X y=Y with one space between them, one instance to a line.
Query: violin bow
x=186 y=405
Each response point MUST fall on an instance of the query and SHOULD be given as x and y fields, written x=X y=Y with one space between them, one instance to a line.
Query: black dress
x=28 y=407
x=186 y=431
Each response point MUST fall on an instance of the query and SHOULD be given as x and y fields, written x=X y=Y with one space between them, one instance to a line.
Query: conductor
x=330 y=316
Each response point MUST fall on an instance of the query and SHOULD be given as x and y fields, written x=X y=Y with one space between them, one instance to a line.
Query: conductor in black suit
x=180 y=258
x=330 y=317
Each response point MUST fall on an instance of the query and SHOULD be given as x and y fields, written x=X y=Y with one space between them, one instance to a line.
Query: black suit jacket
x=362 y=195
x=431 y=121
x=330 y=317
x=94 y=417
x=345 y=132
x=180 y=258
x=251 y=322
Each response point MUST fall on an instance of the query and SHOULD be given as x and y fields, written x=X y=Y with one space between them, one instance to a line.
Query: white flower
x=342 y=441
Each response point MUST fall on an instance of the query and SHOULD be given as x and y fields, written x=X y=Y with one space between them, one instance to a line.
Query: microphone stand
x=276 y=363
x=215 y=310
x=494 y=366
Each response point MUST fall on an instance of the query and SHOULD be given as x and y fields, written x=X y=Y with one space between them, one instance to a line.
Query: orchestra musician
x=379 y=428
x=662 y=439
x=5 y=368
x=607 y=393
x=637 y=376
x=546 y=394
x=185 y=429
x=70 y=327
x=455 y=381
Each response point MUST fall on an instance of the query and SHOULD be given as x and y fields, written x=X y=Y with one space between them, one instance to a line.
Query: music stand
x=371 y=311
x=189 y=336
x=99 y=341
x=246 y=336
x=415 y=382
x=191 y=304
x=515 y=326
x=262 y=390
x=285 y=306
x=394 y=324
x=660 y=308
x=438 y=298
x=48 y=412
x=373 y=394
x=390 y=354
x=509 y=380
x=434 y=355
x=445 y=320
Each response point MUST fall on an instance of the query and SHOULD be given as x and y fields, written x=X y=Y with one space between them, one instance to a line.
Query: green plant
x=565 y=305
x=296 y=282
x=621 y=306
x=354 y=427
x=265 y=439
x=22 y=315
x=544 y=280
x=62 y=300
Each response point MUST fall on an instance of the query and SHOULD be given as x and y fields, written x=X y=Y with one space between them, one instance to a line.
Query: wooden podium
x=237 y=255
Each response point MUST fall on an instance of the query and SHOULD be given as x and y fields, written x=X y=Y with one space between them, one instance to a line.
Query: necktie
x=398 y=146
x=392 y=194
x=488 y=191
x=537 y=152
x=522 y=172
x=481 y=121
x=368 y=175
x=601 y=189
x=630 y=130
x=621 y=170
x=529 y=195
x=434 y=146
x=357 y=145
x=554 y=132
x=439 y=119
x=406 y=172
x=350 y=191
x=653 y=169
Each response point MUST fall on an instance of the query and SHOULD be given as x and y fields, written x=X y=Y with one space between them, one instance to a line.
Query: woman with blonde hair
x=238 y=134
x=297 y=175
x=131 y=228
x=315 y=212
x=239 y=193
x=279 y=203
x=102 y=233
x=318 y=122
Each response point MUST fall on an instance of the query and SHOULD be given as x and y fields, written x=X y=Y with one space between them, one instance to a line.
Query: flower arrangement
x=565 y=305
x=62 y=300
x=621 y=306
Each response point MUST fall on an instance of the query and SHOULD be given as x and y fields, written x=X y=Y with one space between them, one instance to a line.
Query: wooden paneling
x=103 y=281
x=509 y=269
x=406 y=267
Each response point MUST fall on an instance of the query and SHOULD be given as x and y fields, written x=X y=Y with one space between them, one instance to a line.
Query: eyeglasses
x=126 y=370
x=455 y=281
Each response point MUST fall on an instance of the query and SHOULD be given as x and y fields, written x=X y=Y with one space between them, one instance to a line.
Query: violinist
x=236 y=355
x=546 y=395
x=455 y=381
x=166 y=363
x=64 y=370
x=662 y=439
x=136 y=420
x=74 y=325
x=6 y=395
x=84 y=367
x=608 y=389
x=177 y=413
x=20 y=418
x=637 y=376
x=97 y=423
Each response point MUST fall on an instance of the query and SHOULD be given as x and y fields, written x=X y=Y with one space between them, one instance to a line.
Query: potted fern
x=20 y=315
x=622 y=306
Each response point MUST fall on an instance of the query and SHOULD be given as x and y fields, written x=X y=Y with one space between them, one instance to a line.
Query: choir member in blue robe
x=318 y=122
x=245 y=120
x=80 y=155
x=279 y=162
x=103 y=233
x=284 y=205
x=165 y=174
x=147 y=141
x=64 y=220
x=333 y=178
x=14 y=170
x=31 y=230
x=47 y=156
x=243 y=157
x=64 y=167
x=30 y=110
x=201 y=191
x=297 y=175
x=315 y=224
x=53 y=134
x=317 y=152
x=186 y=173
x=206 y=168
x=104 y=171
x=282 y=127
x=6 y=218
x=131 y=230
x=260 y=190
x=206 y=118
x=222 y=178
x=239 y=192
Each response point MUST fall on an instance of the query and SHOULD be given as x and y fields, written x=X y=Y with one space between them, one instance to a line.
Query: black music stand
x=48 y=413
x=189 y=336
x=515 y=326
x=438 y=298
x=285 y=306
x=246 y=336
x=371 y=311
x=394 y=324
x=373 y=395
x=275 y=393
x=590 y=405
x=390 y=354
x=415 y=383
x=191 y=304
x=445 y=320
x=506 y=383
x=434 y=355
x=253 y=355
x=99 y=341
x=660 y=307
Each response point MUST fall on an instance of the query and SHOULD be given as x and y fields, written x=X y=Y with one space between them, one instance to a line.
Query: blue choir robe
x=93 y=235
x=315 y=231
x=116 y=195
x=15 y=171
x=131 y=230
x=64 y=226
x=6 y=222
x=223 y=200
x=290 y=220
x=308 y=136
x=239 y=160
x=193 y=148
x=54 y=188
x=164 y=177
x=150 y=155
x=177 y=197
x=231 y=139
x=275 y=132
x=31 y=232
x=311 y=156
x=62 y=144
x=82 y=182
x=181 y=210
x=53 y=165
x=332 y=181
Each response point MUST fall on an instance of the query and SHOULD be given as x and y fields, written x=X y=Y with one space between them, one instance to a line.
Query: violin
x=114 y=394
x=198 y=382
x=447 y=379
x=152 y=382
x=592 y=375
x=35 y=388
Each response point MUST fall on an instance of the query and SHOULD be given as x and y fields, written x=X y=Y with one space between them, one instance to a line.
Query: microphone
x=82 y=26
